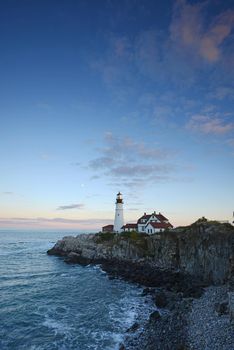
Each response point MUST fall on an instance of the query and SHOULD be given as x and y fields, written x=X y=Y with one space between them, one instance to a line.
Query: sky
x=103 y=96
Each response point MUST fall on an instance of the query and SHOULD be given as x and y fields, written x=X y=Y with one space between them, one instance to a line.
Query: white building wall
x=141 y=227
x=150 y=229
x=119 y=219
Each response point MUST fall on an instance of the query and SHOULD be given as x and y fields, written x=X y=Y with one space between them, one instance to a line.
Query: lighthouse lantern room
x=119 y=220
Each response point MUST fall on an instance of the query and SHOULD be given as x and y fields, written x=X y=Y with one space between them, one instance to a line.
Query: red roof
x=108 y=227
x=144 y=217
x=161 y=217
x=130 y=226
x=160 y=225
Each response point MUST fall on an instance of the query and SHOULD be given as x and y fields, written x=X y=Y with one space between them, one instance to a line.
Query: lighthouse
x=119 y=220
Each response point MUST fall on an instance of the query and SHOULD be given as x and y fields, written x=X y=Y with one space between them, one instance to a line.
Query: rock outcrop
x=175 y=266
x=203 y=250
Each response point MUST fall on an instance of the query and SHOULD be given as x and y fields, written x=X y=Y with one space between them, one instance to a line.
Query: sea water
x=47 y=304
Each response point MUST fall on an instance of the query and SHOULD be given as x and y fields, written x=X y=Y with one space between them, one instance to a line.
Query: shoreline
x=171 y=293
x=187 y=324
x=178 y=269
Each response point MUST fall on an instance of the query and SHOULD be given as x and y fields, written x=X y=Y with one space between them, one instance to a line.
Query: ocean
x=48 y=304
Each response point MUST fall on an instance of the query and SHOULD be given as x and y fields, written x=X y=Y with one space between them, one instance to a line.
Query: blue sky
x=102 y=96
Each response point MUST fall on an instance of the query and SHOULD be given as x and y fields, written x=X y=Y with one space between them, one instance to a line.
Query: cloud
x=139 y=170
x=147 y=49
x=230 y=142
x=101 y=162
x=188 y=29
x=177 y=58
x=131 y=163
x=8 y=193
x=71 y=206
x=210 y=46
x=54 y=222
x=222 y=92
x=209 y=125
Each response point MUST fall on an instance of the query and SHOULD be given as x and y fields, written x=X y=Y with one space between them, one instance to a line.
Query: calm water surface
x=47 y=304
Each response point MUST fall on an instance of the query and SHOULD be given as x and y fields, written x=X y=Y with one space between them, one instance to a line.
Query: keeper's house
x=149 y=223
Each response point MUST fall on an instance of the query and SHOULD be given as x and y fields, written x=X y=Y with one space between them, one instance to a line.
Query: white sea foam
x=63 y=307
x=57 y=326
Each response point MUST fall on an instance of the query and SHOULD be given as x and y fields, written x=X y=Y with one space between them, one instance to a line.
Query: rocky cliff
x=204 y=249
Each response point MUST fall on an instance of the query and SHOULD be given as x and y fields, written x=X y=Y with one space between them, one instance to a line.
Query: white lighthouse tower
x=119 y=220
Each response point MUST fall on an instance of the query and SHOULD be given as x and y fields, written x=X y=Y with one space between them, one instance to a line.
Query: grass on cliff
x=134 y=237
x=104 y=237
x=137 y=238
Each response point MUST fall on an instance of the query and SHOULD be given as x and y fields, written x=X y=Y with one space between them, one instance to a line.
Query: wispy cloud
x=231 y=142
x=132 y=163
x=209 y=125
x=189 y=30
x=8 y=193
x=222 y=92
x=181 y=55
x=71 y=206
x=53 y=222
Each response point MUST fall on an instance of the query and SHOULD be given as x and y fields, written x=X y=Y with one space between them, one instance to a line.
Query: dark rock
x=193 y=292
x=221 y=308
x=196 y=250
x=122 y=347
x=147 y=291
x=155 y=316
x=74 y=258
x=160 y=299
x=58 y=252
x=134 y=327
x=182 y=347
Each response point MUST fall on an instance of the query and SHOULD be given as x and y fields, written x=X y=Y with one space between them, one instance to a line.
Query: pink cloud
x=188 y=29
x=208 y=125
x=40 y=222
x=186 y=25
x=211 y=40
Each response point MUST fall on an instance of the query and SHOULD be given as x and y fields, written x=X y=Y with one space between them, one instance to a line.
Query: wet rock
x=155 y=316
x=134 y=327
x=160 y=299
x=193 y=292
x=231 y=306
x=221 y=308
x=74 y=258
x=147 y=291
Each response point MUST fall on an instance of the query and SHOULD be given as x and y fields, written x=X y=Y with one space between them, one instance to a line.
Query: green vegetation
x=134 y=235
x=104 y=237
x=201 y=220
x=139 y=239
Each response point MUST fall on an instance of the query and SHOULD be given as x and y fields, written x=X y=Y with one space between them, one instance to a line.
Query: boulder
x=160 y=299
x=221 y=308
x=231 y=306
x=155 y=316
x=134 y=327
x=75 y=258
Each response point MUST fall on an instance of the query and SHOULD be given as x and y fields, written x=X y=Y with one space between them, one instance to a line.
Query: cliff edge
x=204 y=249
x=189 y=271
